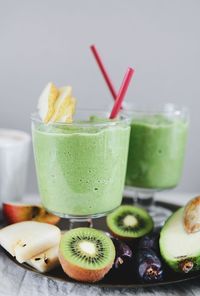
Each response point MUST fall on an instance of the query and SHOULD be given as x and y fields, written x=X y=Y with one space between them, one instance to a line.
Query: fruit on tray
x=150 y=241
x=18 y=212
x=86 y=254
x=124 y=254
x=123 y=266
x=47 y=101
x=180 y=249
x=56 y=105
x=46 y=260
x=128 y=222
x=149 y=266
x=191 y=216
x=25 y=240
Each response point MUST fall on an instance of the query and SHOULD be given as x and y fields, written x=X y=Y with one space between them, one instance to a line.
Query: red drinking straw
x=122 y=93
x=103 y=71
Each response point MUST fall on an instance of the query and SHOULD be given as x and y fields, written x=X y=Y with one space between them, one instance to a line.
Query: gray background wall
x=48 y=40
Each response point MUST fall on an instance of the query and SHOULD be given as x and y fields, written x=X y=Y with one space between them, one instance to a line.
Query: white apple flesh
x=25 y=240
x=45 y=261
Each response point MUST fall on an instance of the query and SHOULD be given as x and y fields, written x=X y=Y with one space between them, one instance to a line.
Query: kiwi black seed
x=129 y=222
x=86 y=254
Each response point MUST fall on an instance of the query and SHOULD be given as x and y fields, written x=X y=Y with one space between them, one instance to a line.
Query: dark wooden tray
x=114 y=280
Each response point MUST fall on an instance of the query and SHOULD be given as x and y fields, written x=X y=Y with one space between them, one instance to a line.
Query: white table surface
x=15 y=281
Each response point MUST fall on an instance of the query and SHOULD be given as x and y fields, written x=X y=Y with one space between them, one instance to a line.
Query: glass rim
x=122 y=119
x=176 y=110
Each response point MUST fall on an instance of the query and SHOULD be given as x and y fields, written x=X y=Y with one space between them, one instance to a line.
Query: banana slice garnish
x=64 y=106
x=47 y=101
x=56 y=105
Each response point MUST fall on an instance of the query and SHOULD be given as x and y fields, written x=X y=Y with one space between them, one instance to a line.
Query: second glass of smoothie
x=81 y=166
x=156 y=153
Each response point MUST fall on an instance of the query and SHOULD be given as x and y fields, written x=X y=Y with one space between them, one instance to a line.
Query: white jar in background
x=14 y=154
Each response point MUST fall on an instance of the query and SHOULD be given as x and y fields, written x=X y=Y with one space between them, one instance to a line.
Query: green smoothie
x=81 y=170
x=156 y=151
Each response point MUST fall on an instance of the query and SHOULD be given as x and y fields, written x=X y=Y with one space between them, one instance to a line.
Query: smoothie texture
x=81 y=171
x=156 y=151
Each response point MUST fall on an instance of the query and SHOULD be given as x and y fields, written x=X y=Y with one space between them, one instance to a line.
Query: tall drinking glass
x=156 y=154
x=81 y=166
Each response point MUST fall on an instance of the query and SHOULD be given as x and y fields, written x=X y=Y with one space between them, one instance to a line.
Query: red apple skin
x=16 y=212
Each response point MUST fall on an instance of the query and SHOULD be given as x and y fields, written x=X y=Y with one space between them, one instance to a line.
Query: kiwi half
x=86 y=254
x=128 y=222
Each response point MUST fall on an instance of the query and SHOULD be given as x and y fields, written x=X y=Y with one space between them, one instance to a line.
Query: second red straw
x=122 y=92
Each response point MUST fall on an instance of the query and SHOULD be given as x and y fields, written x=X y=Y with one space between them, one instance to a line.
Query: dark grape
x=123 y=253
x=150 y=241
x=149 y=266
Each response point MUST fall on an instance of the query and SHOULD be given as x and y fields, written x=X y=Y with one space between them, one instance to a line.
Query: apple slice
x=64 y=106
x=25 y=240
x=45 y=261
x=19 y=212
x=47 y=101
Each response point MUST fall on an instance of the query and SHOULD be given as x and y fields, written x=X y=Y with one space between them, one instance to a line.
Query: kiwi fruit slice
x=86 y=254
x=128 y=222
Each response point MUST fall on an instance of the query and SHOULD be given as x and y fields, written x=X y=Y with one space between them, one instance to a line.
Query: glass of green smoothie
x=156 y=153
x=81 y=166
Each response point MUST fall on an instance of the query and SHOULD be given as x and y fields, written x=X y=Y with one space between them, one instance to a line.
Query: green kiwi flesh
x=129 y=222
x=86 y=254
